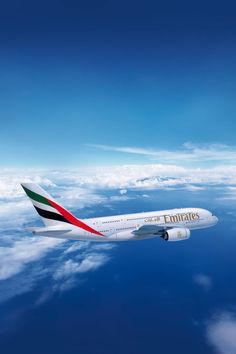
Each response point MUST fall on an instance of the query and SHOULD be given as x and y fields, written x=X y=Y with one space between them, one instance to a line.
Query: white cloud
x=123 y=191
x=24 y=265
x=14 y=258
x=152 y=176
x=144 y=177
x=221 y=333
x=103 y=246
x=18 y=285
x=80 y=188
x=91 y=261
x=187 y=153
x=203 y=281
x=125 y=149
x=119 y=198
x=77 y=246
x=229 y=194
x=10 y=180
x=193 y=188
x=77 y=196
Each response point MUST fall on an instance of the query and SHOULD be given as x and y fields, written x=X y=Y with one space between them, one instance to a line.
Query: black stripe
x=50 y=215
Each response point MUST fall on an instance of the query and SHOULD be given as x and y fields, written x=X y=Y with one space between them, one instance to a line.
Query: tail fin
x=44 y=204
x=52 y=213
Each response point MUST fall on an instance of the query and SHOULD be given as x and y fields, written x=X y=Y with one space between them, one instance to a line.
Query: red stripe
x=72 y=219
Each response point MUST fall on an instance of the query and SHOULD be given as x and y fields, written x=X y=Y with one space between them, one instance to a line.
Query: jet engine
x=176 y=234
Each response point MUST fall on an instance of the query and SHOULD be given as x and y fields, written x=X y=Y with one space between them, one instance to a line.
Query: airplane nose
x=215 y=219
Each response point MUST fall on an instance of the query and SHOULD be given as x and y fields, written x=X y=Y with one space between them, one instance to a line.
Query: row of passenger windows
x=124 y=228
x=120 y=229
x=108 y=222
x=133 y=219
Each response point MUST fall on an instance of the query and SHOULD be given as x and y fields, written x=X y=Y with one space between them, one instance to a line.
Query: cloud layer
x=25 y=261
x=21 y=253
x=221 y=333
x=72 y=185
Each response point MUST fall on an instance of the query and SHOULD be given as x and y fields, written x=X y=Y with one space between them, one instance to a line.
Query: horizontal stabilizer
x=47 y=232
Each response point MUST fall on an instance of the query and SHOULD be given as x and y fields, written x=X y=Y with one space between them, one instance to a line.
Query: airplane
x=170 y=225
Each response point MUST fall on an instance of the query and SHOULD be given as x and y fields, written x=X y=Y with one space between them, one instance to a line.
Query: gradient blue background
x=143 y=74
x=153 y=73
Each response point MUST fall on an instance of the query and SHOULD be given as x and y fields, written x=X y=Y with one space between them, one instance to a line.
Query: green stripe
x=35 y=196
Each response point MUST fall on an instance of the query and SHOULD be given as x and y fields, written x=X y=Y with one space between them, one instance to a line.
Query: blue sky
x=153 y=75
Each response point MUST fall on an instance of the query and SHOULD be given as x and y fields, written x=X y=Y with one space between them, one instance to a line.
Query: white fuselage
x=121 y=227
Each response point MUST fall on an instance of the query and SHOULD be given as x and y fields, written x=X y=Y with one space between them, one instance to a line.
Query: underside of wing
x=167 y=233
x=147 y=230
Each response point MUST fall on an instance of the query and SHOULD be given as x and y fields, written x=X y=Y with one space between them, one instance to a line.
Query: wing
x=148 y=230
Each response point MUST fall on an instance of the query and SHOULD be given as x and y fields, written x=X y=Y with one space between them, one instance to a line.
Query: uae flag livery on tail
x=50 y=211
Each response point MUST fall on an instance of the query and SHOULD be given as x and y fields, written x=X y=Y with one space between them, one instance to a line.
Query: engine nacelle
x=176 y=234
